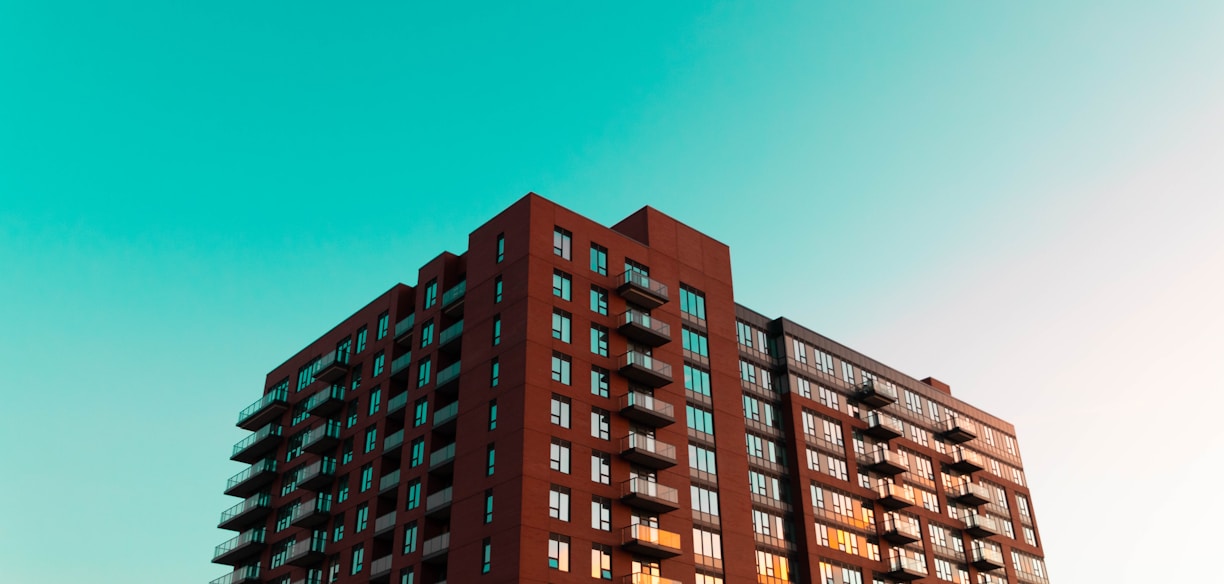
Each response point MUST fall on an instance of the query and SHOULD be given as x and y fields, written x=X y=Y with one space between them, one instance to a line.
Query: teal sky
x=1022 y=199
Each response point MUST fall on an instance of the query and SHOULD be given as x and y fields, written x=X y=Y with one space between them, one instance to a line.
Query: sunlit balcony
x=436 y=548
x=885 y=462
x=323 y=438
x=332 y=366
x=894 y=496
x=650 y=541
x=957 y=430
x=645 y=369
x=389 y=482
x=384 y=525
x=981 y=526
x=448 y=339
x=313 y=512
x=439 y=503
x=258 y=444
x=246 y=514
x=400 y=366
x=900 y=531
x=318 y=475
x=442 y=460
x=380 y=570
x=649 y=496
x=647 y=451
x=235 y=551
x=883 y=426
x=966 y=461
x=641 y=290
x=647 y=409
x=640 y=578
x=906 y=568
x=307 y=553
x=326 y=402
x=874 y=394
x=252 y=479
x=243 y=575
x=266 y=409
x=452 y=300
x=642 y=328
x=985 y=558
x=971 y=494
x=404 y=328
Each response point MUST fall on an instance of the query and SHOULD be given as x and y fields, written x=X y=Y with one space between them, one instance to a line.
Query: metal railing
x=281 y=395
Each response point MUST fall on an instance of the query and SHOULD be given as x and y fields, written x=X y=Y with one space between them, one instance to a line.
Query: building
x=567 y=402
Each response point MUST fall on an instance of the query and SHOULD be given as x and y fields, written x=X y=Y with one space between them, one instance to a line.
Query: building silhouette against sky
x=567 y=402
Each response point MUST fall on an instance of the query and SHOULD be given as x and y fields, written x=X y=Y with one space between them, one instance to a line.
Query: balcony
x=958 y=430
x=650 y=541
x=906 y=568
x=404 y=328
x=885 y=462
x=874 y=394
x=389 y=482
x=894 y=496
x=397 y=403
x=640 y=578
x=442 y=460
x=316 y=511
x=642 y=328
x=985 y=558
x=247 y=513
x=318 y=475
x=252 y=479
x=645 y=369
x=646 y=409
x=328 y=401
x=332 y=366
x=971 y=494
x=444 y=417
x=258 y=444
x=641 y=290
x=435 y=548
x=240 y=548
x=883 y=426
x=380 y=570
x=243 y=575
x=650 y=496
x=447 y=376
x=385 y=525
x=400 y=366
x=452 y=300
x=323 y=438
x=980 y=526
x=966 y=461
x=899 y=530
x=647 y=451
x=448 y=339
x=268 y=408
x=393 y=443
x=439 y=503
x=307 y=553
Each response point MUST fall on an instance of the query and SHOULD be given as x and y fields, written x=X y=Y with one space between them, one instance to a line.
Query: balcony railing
x=874 y=394
x=646 y=409
x=440 y=501
x=255 y=446
x=454 y=294
x=650 y=541
x=640 y=578
x=445 y=414
x=645 y=369
x=389 y=481
x=642 y=328
x=899 y=530
x=981 y=526
x=971 y=494
x=985 y=558
x=332 y=366
x=447 y=375
x=380 y=569
x=393 y=442
x=252 y=478
x=639 y=289
x=384 y=524
x=450 y=334
x=442 y=459
x=313 y=512
x=247 y=513
x=435 y=547
x=957 y=430
x=322 y=438
x=906 y=568
x=894 y=496
x=648 y=495
x=966 y=461
x=404 y=327
x=397 y=403
x=264 y=410
x=318 y=474
x=326 y=401
x=885 y=462
x=240 y=547
x=647 y=451
x=400 y=366
x=883 y=426
x=243 y=575
x=307 y=552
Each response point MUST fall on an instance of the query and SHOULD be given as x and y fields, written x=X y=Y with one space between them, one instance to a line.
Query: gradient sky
x=1023 y=199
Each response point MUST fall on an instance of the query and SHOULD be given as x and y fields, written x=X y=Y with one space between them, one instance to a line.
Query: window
x=342 y=492
x=431 y=293
x=559 y=503
x=410 y=538
x=696 y=380
x=358 y=558
x=427 y=334
x=601 y=561
x=600 y=379
x=748 y=372
x=692 y=302
x=356 y=376
x=497 y=289
x=361 y=339
x=488 y=513
x=702 y=459
x=384 y=321
x=558 y=552
x=559 y=456
x=494 y=373
x=371 y=438
x=338 y=527
x=492 y=414
x=490 y=459
x=601 y=424
x=599 y=259
x=486 y=554
x=496 y=330
x=560 y=412
x=501 y=247
x=599 y=300
x=601 y=468
x=417 y=458
x=375 y=400
x=423 y=372
x=601 y=513
x=695 y=342
x=743 y=334
x=708 y=544
x=420 y=412
x=346 y=451
x=363 y=517
x=562 y=284
x=407 y=576
x=599 y=340
x=414 y=495
x=704 y=500
x=379 y=360
x=561 y=368
x=561 y=325
x=700 y=420
x=367 y=477
x=562 y=241
x=353 y=410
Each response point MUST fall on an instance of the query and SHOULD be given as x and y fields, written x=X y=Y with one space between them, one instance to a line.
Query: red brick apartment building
x=566 y=402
